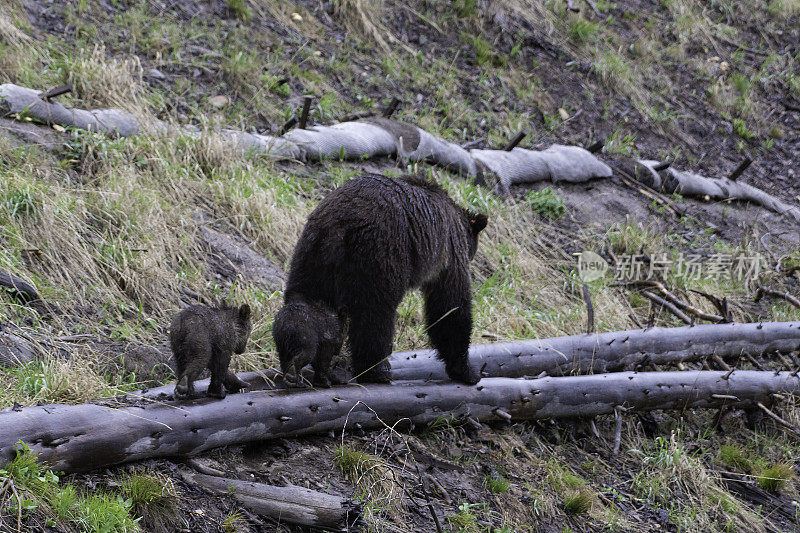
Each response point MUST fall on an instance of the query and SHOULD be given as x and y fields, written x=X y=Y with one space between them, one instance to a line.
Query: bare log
x=114 y=122
x=691 y=184
x=90 y=436
x=577 y=354
x=19 y=288
x=292 y=504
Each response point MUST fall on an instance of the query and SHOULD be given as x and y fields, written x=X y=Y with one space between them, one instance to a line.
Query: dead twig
x=720 y=362
x=515 y=141
x=740 y=169
x=675 y=300
x=772 y=292
x=428 y=500
x=779 y=420
x=391 y=108
x=669 y=306
x=55 y=91
x=617 y=430
x=306 y=109
x=720 y=304
x=587 y=297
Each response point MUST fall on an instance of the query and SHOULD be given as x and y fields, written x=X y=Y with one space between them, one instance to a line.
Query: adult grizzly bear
x=370 y=241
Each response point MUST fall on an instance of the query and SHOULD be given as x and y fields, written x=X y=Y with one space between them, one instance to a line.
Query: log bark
x=292 y=504
x=75 y=438
x=577 y=354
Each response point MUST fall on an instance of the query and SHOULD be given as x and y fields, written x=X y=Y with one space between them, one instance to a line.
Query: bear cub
x=206 y=337
x=307 y=333
x=363 y=247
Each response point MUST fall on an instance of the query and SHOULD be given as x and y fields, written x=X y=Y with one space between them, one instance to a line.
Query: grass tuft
x=774 y=477
x=578 y=501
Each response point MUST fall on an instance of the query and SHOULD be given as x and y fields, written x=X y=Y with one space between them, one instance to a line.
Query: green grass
x=582 y=31
x=39 y=488
x=546 y=203
x=774 y=477
x=578 y=502
x=497 y=483
x=733 y=456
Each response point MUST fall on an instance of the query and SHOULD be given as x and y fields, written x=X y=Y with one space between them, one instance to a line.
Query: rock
x=14 y=350
x=231 y=256
x=147 y=361
x=155 y=74
x=218 y=101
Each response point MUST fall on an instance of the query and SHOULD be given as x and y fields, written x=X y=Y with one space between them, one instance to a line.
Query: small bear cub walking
x=206 y=337
x=308 y=333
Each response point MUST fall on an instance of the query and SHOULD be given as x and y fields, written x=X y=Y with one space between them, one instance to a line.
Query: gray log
x=292 y=504
x=580 y=354
x=671 y=180
x=89 y=436
x=113 y=122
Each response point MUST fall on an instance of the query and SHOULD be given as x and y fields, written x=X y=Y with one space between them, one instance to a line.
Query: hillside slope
x=118 y=234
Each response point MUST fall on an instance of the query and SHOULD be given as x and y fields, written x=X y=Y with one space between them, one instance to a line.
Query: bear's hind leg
x=371 y=333
x=218 y=365
x=448 y=313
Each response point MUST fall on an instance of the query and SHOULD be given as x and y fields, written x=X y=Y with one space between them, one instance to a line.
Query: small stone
x=218 y=101
x=155 y=74
x=563 y=113
x=297 y=17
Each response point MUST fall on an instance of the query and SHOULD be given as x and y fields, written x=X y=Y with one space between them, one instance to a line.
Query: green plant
x=732 y=456
x=546 y=202
x=772 y=478
x=466 y=520
x=239 y=9
x=581 y=30
x=578 y=501
x=497 y=483
x=355 y=463
x=622 y=144
x=741 y=129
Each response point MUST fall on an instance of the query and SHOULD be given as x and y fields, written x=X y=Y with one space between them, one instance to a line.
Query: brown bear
x=364 y=246
x=206 y=337
x=307 y=333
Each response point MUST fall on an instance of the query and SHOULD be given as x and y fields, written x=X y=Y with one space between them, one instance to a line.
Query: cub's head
x=243 y=326
x=476 y=222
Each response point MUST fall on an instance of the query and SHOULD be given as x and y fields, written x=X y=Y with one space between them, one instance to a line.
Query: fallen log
x=671 y=180
x=579 y=354
x=557 y=163
x=610 y=351
x=292 y=504
x=113 y=122
x=75 y=438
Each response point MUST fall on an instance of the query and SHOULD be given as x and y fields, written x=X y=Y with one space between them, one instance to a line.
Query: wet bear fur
x=370 y=241
x=307 y=333
x=206 y=337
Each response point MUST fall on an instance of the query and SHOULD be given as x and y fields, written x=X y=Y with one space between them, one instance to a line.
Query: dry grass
x=9 y=32
x=100 y=81
x=364 y=17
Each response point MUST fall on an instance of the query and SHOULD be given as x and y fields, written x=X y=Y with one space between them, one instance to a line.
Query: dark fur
x=373 y=239
x=206 y=337
x=307 y=333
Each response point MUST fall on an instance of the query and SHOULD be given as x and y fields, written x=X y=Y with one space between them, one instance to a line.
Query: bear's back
x=401 y=231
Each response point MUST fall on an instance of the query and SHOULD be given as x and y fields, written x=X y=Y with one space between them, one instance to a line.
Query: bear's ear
x=244 y=313
x=477 y=222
